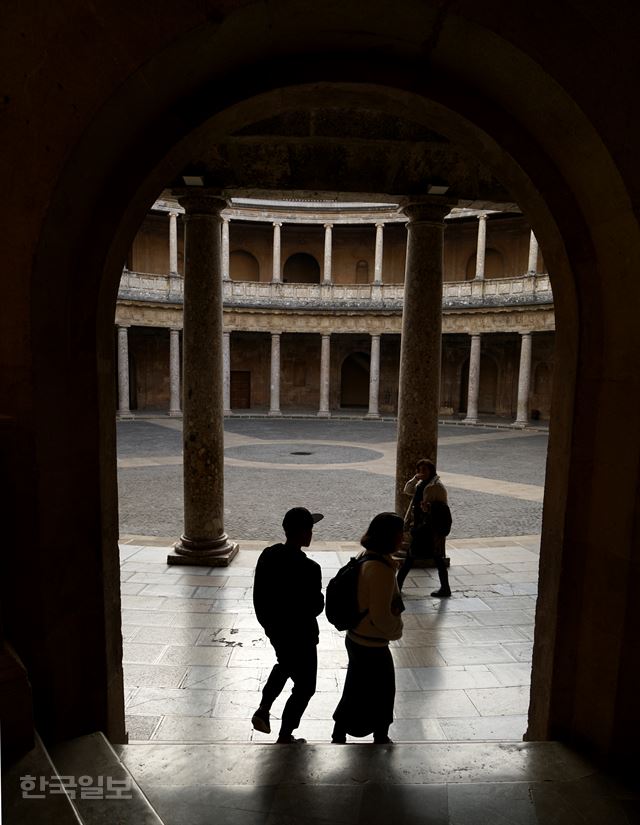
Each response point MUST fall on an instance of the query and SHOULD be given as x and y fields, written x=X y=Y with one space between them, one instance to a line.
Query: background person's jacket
x=287 y=595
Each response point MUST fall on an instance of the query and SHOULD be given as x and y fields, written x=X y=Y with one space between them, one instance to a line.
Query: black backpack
x=341 y=600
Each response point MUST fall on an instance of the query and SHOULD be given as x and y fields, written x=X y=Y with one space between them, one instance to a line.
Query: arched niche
x=301 y=268
x=243 y=266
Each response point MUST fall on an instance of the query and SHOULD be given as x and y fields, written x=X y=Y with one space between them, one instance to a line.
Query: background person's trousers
x=298 y=662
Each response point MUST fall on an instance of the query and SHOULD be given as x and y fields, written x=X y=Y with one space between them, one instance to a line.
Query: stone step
x=23 y=804
x=440 y=783
x=112 y=796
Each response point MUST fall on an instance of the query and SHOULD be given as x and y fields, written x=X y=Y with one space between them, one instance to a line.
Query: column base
x=124 y=416
x=372 y=415
x=175 y=413
x=520 y=425
x=220 y=554
x=227 y=412
x=323 y=414
x=274 y=413
x=469 y=420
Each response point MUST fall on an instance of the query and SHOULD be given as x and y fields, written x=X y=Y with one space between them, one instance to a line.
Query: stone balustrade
x=526 y=289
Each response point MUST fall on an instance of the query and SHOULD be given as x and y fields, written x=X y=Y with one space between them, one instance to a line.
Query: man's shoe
x=289 y=739
x=442 y=593
x=260 y=721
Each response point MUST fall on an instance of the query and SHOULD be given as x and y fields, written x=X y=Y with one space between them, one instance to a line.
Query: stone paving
x=494 y=477
x=196 y=658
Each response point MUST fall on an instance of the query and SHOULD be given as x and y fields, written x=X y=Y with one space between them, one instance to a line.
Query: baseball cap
x=299 y=518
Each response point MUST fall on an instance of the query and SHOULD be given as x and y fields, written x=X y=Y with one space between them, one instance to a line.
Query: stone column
x=482 y=246
x=274 y=398
x=173 y=243
x=326 y=274
x=419 y=381
x=524 y=380
x=226 y=373
x=532 y=266
x=374 y=377
x=225 y=249
x=123 y=372
x=325 y=357
x=204 y=541
x=474 y=381
x=276 y=276
x=174 y=373
x=377 y=261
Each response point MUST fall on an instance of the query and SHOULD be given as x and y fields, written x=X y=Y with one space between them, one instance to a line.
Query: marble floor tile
x=232 y=637
x=149 y=675
x=417 y=657
x=521 y=651
x=518 y=673
x=168 y=635
x=172 y=702
x=505 y=701
x=222 y=678
x=136 y=652
x=168 y=589
x=485 y=728
x=187 y=655
x=441 y=704
x=499 y=633
x=506 y=617
x=202 y=729
x=458 y=677
x=128 y=588
x=141 y=727
x=485 y=654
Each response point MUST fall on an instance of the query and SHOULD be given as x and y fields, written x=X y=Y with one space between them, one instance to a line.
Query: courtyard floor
x=195 y=657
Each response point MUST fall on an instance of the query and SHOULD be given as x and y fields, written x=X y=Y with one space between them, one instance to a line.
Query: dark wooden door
x=240 y=389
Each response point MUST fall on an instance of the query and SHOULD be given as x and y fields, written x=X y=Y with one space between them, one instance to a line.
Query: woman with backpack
x=369 y=691
x=428 y=518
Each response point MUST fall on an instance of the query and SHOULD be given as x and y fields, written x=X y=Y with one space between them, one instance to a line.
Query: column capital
x=173 y=213
x=328 y=226
x=278 y=333
x=201 y=202
x=379 y=224
x=325 y=334
x=425 y=209
x=482 y=216
x=276 y=223
x=175 y=329
x=123 y=326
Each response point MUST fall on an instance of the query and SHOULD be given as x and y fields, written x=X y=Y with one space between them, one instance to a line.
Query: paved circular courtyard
x=342 y=468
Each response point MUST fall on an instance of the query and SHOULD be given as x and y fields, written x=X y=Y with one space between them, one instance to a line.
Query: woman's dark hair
x=382 y=533
x=426 y=462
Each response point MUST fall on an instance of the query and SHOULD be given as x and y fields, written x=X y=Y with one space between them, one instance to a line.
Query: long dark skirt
x=369 y=690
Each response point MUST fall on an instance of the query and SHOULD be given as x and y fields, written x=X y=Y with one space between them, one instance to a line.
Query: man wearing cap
x=287 y=597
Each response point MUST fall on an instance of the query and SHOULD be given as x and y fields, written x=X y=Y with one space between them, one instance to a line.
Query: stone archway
x=81 y=227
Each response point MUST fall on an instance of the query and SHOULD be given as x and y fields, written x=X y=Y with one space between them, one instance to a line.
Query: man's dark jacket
x=287 y=595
